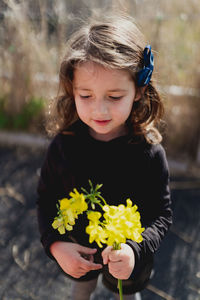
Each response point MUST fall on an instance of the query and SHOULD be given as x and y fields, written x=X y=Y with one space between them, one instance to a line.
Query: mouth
x=102 y=122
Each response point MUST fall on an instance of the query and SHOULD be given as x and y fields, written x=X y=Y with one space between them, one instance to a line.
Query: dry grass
x=33 y=34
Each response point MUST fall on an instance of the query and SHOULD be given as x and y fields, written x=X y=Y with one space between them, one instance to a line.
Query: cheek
x=129 y=106
x=78 y=106
x=124 y=110
x=81 y=108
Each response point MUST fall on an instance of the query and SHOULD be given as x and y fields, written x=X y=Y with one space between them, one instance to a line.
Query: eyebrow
x=118 y=90
x=81 y=88
x=113 y=90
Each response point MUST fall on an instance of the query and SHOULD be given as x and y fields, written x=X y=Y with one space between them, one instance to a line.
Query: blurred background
x=32 y=38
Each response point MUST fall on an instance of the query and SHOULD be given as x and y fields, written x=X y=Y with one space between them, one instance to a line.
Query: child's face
x=104 y=99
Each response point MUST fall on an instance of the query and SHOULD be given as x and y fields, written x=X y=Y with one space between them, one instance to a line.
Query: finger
x=91 y=258
x=117 y=269
x=88 y=265
x=113 y=270
x=88 y=257
x=105 y=254
x=86 y=250
x=115 y=255
x=78 y=274
x=115 y=266
x=81 y=271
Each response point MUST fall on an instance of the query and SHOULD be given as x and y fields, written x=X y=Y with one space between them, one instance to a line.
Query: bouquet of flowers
x=112 y=226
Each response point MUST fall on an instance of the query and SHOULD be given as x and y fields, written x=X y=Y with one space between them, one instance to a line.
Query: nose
x=100 y=107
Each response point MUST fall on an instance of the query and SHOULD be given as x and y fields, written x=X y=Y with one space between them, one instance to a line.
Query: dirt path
x=25 y=271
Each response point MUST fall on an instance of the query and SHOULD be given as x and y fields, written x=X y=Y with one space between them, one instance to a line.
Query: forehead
x=87 y=72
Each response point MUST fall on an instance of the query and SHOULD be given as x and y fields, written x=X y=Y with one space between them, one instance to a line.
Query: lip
x=102 y=122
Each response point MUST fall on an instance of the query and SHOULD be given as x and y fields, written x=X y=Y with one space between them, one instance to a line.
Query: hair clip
x=144 y=76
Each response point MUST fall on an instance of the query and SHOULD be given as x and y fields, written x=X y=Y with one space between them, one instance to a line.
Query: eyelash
x=111 y=97
x=115 y=98
x=85 y=97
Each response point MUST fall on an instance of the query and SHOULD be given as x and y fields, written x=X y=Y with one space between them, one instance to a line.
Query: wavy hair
x=114 y=43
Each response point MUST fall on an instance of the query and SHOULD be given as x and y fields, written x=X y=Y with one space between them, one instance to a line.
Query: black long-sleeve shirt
x=127 y=169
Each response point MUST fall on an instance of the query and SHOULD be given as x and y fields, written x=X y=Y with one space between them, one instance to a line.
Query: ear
x=139 y=93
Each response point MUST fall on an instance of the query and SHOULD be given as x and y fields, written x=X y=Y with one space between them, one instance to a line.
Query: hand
x=74 y=259
x=120 y=262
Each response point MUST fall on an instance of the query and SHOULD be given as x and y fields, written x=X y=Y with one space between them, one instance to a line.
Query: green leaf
x=84 y=190
x=98 y=186
x=90 y=183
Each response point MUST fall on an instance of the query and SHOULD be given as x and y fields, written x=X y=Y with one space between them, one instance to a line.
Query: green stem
x=104 y=201
x=117 y=246
x=120 y=289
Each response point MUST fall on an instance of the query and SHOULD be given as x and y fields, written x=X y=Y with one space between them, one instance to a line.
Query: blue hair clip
x=144 y=76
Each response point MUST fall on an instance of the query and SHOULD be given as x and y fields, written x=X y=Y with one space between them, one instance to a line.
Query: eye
x=115 y=98
x=85 y=96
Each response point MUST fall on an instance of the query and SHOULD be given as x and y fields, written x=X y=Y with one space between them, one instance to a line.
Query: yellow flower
x=114 y=236
x=58 y=224
x=78 y=202
x=94 y=216
x=69 y=210
x=64 y=204
x=122 y=223
x=95 y=230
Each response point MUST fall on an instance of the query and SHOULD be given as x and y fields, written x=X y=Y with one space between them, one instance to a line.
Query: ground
x=27 y=273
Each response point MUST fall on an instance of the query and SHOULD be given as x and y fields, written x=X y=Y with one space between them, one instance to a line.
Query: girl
x=104 y=119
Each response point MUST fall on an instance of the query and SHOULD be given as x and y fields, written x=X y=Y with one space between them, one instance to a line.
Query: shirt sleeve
x=158 y=210
x=48 y=190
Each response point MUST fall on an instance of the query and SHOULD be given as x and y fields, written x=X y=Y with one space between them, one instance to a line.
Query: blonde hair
x=117 y=43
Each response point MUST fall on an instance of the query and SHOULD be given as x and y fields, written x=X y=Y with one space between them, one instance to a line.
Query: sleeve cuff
x=136 y=249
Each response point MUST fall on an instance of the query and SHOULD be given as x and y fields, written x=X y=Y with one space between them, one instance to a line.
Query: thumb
x=86 y=250
x=105 y=254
